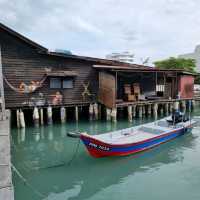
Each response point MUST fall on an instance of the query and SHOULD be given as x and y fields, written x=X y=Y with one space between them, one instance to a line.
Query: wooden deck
x=148 y=102
x=6 y=187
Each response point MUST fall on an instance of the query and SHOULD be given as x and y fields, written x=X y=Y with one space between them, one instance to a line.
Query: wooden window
x=55 y=83
x=67 y=83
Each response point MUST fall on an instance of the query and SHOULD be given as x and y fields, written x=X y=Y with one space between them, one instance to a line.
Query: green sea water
x=55 y=167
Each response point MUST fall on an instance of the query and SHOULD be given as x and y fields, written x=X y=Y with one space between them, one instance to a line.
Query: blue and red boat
x=135 y=139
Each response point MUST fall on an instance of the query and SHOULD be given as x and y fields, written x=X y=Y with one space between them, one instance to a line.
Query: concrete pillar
x=49 y=115
x=91 y=114
x=95 y=108
x=130 y=114
x=114 y=115
x=63 y=114
x=36 y=116
x=155 y=111
x=76 y=113
x=41 y=116
x=108 y=114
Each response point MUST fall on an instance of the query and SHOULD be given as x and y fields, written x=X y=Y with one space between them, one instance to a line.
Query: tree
x=177 y=63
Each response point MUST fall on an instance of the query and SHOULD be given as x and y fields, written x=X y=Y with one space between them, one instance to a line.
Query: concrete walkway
x=6 y=187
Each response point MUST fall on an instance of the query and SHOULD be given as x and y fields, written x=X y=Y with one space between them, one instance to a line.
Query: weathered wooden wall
x=22 y=62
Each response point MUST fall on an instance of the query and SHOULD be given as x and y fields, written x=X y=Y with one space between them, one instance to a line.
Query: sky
x=148 y=28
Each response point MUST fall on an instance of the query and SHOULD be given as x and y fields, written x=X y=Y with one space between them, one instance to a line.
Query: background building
x=195 y=55
x=122 y=57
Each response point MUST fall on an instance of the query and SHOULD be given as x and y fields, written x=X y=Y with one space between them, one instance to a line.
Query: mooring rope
x=75 y=153
x=38 y=193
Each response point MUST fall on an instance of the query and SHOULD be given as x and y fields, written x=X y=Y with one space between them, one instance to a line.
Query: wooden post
x=63 y=114
x=114 y=115
x=183 y=106
x=161 y=109
x=143 y=110
x=95 y=108
x=76 y=113
x=18 y=119
x=49 y=115
x=134 y=111
x=155 y=111
x=21 y=119
x=36 y=116
x=170 y=107
x=108 y=114
x=99 y=111
x=193 y=104
x=130 y=114
x=140 y=111
x=91 y=112
x=41 y=116
x=149 y=110
x=176 y=105
x=166 y=108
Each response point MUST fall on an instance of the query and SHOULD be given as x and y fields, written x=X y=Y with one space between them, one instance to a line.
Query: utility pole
x=2 y=99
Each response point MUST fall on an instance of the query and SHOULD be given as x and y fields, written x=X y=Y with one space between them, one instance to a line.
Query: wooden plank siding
x=22 y=62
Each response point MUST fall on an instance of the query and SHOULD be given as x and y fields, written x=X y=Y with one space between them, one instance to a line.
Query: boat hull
x=97 y=148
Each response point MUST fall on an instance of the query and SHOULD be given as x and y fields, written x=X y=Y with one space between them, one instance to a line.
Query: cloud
x=149 y=28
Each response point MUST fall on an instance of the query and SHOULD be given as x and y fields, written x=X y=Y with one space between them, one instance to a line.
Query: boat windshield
x=151 y=130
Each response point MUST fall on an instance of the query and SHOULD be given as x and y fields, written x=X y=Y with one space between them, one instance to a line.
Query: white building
x=195 y=55
x=122 y=57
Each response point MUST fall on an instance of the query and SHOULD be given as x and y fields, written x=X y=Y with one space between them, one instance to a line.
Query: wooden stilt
x=91 y=112
x=76 y=113
x=114 y=115
x=99 y=111
x=140 y=111
x=170 y=108
x=176 y=105
x=134 y=111
x=63 y=114
x=18 y=120
x=95 y=108
x=130 y=113
x=49 y=115
x=41 y=116
x=21 y=119
x=36 y=116
x=143 y=110
x=166 y=108
x=183 y=106
x=155 y=111
x=149 y=110
x=161 y=109
x=193 y=104
x=108 y=114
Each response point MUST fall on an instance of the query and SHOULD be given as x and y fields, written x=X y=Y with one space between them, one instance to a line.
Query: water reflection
x=43 y=154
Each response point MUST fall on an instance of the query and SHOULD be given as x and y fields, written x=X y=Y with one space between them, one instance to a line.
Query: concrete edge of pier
x=6 y=186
